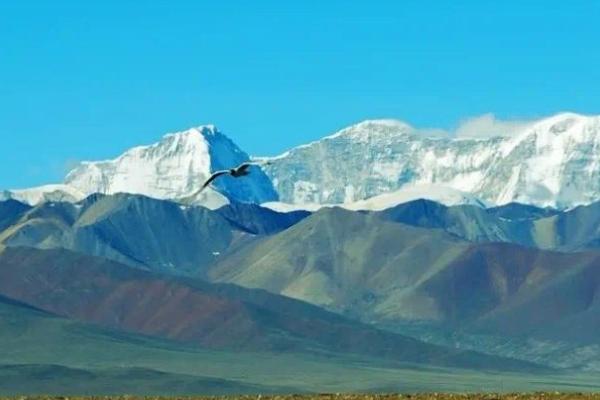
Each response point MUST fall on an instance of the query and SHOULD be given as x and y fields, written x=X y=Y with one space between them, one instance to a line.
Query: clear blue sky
x=86 y=81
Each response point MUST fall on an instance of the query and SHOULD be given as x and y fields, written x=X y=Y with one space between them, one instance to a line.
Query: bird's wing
x=212 y=178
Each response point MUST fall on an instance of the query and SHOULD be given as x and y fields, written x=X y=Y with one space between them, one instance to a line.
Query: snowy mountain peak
x=195 y=134
x=560 y=124
x=551 y=162
x=173 y=168
x=373 y=129
x=555 y=162
x=564 y=116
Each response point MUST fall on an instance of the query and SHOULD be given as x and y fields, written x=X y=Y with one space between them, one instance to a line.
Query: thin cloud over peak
x=479 y=126
x=487 y=125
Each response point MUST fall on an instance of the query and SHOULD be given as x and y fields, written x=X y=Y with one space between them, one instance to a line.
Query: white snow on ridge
x=40 y=194
x=554 y=162
x=287 y=207
x=440 y=194
x=353 y=132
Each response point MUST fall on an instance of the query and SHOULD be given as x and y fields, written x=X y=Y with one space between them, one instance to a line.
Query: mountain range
x=374 y=249
x=554 y=162
x=460 y=268
x=384 y=272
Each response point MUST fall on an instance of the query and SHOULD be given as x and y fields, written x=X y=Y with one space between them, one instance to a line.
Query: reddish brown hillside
x=114 y=295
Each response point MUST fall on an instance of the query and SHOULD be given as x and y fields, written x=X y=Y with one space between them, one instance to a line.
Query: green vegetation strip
x=341 y=396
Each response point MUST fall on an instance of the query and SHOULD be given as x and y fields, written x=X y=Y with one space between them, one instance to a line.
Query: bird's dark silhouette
x=242 y=170
x=237 y=172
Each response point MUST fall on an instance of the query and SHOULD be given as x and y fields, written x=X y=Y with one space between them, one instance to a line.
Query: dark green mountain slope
x=140 y=231
x=44 y=354
x=573 y=230
x=34 y=346
x=35 y=379
x=467 y=222
x=521 y=212
x=135 y=230
x=259 y=220
x=10 y=212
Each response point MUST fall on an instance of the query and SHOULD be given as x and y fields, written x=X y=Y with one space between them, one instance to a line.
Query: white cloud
x=481 y=126
x=487 y=125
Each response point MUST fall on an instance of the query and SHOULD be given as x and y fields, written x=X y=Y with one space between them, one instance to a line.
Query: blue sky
x=86 y=81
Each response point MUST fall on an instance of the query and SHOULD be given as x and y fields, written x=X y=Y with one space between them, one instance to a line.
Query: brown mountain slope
x=386 y=272
x=349 y=262
x=217 y=316
x=490 y=279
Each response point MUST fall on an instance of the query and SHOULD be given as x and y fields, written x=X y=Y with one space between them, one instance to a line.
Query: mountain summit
x=175 y=167
x=553 y=162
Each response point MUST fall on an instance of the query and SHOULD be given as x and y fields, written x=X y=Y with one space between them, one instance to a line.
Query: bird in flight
x=237 y=172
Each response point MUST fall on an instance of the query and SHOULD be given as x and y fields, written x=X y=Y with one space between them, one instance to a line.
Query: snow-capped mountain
x=176 y=167
x=554 y=162
x=42 y=194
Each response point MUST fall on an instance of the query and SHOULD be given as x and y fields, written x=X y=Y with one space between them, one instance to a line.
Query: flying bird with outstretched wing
x=212 y=178
x=237 y=172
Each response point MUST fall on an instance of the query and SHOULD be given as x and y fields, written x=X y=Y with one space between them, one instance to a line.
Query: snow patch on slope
x=287 y=207
x=437 y=193
x=440 y=194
